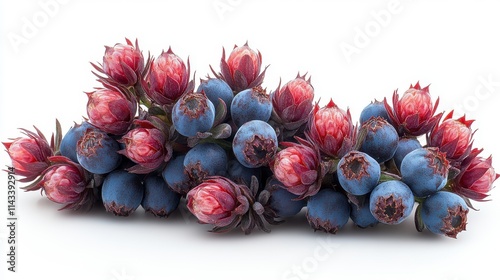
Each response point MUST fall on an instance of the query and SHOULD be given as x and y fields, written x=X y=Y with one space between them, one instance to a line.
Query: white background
x=45 y=69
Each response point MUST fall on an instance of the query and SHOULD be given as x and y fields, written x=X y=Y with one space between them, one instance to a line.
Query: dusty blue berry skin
x=215 y=89
x=362 y=216
x=328 y=210
x=241 y=174
x=391 y=202
x=405 y=146
x=381 y=139
x=122 y=192
x=193 y=113
x=70 y=139
x=205 y=159
x=374 y=109
x=97 y=152
x=358 y=173
x=175 y=176
x=255 y=144
x=445 y=213
x=251 y=104
x=159 y=199
x=423 y=172
x=282 y=201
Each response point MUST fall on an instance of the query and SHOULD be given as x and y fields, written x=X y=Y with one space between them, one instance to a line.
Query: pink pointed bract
x=297 y=166
x=331 y=129
x=124 y=63
x=453 y=137
x=111 y=110
x=414 y=113
x=293 y=103
x=168 y=78
x=217 y=201
x=29 y=155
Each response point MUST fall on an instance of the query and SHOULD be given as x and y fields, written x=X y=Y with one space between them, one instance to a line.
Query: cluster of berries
x=240 y=157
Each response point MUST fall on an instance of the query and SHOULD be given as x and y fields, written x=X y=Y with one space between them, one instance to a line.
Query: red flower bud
x=298 y=168
x=168 y=78
x=331 y=129
x=29 y=154
x=293 y=103
x=145 y=145
x=476 y=178
x=242 y=68
x=110 y=110
x=453 y=137
x=413 y=114
x=218 y=201
x=123 y=63
x=65 y=182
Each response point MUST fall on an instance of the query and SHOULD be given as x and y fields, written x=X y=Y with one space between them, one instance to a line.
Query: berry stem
x=387 y=176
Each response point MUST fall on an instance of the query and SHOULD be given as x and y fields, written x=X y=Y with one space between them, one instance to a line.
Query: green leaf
x=155 y=110
x=222 y=131
x=419 y=223
x=220 y=112
x=361 y=138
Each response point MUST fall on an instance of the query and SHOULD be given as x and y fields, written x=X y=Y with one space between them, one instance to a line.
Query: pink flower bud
x=242 y=68
x=29 y=155
x=298 y=168
x=476 y=178
x=217 y=201
x=331 y=129
x=110 y=110
x=63 y=183
x=413 y=114
x=168 y=78
x=453 y=137
x=123 y=63
x=293 y=103
x=146 y=146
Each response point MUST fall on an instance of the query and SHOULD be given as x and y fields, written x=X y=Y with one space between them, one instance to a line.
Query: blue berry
x=255 y=144
x=251 y=104
x=215 y=89
x=381 y=139
x=374 y=109
x=391 y=202
x=445 y=213
x=158 y=198
x=205 y=159
x=122 y=192
x=405 y=146
x=193 y=113
x=328 y=210
x=283 y=202
x=425 y=171
x=97 y=152
x=362 y=216
x=175 y=175
x=70 y=140
x=358 y=173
